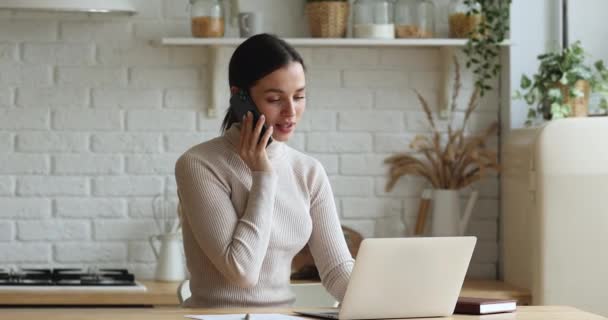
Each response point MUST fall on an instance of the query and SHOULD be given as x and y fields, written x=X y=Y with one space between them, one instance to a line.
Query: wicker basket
x=579 y=106
x=327 y=19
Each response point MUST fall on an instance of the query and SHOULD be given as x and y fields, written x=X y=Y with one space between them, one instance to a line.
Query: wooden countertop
x=175 y=313
x=165 y=294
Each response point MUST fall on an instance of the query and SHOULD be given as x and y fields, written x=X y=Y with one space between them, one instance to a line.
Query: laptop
x=405 y=278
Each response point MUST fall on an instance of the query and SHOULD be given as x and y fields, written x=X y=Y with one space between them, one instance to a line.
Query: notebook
x=467 y=305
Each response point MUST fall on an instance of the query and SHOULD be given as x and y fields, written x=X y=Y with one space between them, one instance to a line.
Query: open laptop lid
x=407 y=277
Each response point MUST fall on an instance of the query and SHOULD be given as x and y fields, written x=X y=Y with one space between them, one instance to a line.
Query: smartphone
x=240 y=103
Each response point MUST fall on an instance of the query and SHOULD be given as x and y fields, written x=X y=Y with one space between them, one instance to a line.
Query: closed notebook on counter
x=466 y=305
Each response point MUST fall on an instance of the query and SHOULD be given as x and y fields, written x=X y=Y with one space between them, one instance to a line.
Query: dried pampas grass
x=455 y=164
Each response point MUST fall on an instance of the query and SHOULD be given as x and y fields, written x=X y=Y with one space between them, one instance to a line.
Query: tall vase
x=447 y=217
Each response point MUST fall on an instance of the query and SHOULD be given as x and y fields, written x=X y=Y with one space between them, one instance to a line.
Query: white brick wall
x=93 y=117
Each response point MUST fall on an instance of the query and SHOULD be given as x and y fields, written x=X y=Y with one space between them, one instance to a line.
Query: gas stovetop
x=64 y=278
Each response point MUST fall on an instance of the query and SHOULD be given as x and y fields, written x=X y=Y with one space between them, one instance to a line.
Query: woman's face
x=280 y=97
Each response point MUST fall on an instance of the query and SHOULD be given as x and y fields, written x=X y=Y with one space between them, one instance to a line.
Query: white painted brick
x=297 y=141
x=90 y=208
x=127 y=186
x=6 y=142
x=486 y=230
x=165 y=77
x=52 y=230
x=329 y=161
x=323 y=78
x=417 y=121
x=146 y=31
x=24 y=164
x=188 y=56
x=143 y=271
x=375 y=78
x=52 y=186
x=339 y=142
x=479 y=122
x=126 y=143
x=8 y=52
x=65 y=54
x=98 y=31
x=415 y=59
x=23 y=119
x=76 y=119
x=314 y=120
x=365 y=227
x=148 y=9
x=482 y=271
x=143 y=207
x=141 y=252
x=352 y=186
x=485 y=209
x=23 y=30
x=17 y=208
x=175 y=120
x=344 y=56
x=85 y=164
x=425 y=80
x=185 y=98
x=176 y=9
x=152 y=164
x=26 y=75
x=133 y=55
x=392 y=226
x=407 y=186
x=212 y=125
x=52 y=97
x=370 y=207
x=485 y=252
x=371 y=121
x=127 y=98
x=6 y=97
x=488 y=187
x=180 y=142
x=124 y=229
x=404 y=99
x=392 y=142
x=7 y=186
x=363 y=164
x=51 y=142
x=340 y=99
x=90 y=252
x=489 y=102
x=25 y=252
x=7 y=231
x=92 y=76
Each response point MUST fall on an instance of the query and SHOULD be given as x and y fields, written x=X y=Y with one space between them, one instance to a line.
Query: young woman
x=249 y=208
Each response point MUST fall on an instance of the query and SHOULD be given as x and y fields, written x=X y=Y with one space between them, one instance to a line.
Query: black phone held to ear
x=241 y=103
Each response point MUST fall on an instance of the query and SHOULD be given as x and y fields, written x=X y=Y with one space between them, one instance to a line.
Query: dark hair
x=255 y=58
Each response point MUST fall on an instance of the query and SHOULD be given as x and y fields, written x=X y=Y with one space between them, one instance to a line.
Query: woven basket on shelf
x=327 y=19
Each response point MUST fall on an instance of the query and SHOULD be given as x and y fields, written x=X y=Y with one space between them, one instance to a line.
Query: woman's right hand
x=254 y=153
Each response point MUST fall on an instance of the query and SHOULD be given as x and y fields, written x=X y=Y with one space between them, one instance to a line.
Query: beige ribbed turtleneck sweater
x=241 y=229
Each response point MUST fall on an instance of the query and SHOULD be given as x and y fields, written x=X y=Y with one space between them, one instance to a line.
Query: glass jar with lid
x=207 y=18
x=374 y=19
x=415 y=19
x=462 y=25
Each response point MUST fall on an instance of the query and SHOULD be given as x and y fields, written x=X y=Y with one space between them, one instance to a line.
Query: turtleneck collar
x=274 y=150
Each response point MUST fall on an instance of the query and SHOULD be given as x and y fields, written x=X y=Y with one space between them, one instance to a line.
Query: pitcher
x=170 y=266
x=447 y=218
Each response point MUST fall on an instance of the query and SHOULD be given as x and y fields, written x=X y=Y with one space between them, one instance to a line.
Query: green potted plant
x=327 y=18
x=563 y=84
x=483 y=45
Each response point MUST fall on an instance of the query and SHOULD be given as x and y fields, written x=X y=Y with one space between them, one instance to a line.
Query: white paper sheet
x=241 y=316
